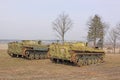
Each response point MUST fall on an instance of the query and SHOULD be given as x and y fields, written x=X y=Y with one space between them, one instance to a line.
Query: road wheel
x=27 y=53
x=88 y=61
x=42 y=56
x=37 y=56
x=31 y=56
x=95 y=60
x=92 y=60
x=80 y=62
x=57 y=60
x=12 y=55
x=85 y=61
x=17 y=55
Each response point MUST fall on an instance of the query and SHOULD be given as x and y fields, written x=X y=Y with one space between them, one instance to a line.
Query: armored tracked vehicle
x=77 y=53
x=29 y=49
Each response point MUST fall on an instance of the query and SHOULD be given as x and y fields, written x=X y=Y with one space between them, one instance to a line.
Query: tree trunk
x=102 y=42
x=94 y=42
x=62 y=39
x=114 y=46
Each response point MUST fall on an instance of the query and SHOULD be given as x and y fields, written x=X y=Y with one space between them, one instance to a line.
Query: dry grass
x=22 y=69
x=3 y=46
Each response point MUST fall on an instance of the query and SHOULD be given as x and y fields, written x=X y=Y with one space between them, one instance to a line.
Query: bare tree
x=61 y=25
x=118 y=34
x=118 y=30
x=113 y=38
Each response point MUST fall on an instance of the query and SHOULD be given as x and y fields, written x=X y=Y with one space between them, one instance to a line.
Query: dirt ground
x=22 y=69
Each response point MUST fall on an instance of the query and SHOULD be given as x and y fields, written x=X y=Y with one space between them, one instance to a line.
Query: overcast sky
x=32 y=19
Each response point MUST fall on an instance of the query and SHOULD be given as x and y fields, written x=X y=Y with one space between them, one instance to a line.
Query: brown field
x=22 y=69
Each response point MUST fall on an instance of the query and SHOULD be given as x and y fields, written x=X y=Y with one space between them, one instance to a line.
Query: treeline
x=97 y=30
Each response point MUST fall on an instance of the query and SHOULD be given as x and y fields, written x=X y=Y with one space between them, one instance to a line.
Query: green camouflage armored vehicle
x=29 y=49
x=77 y=53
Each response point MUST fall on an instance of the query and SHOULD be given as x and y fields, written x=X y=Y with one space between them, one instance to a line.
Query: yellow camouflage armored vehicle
x=78 y=53
x=29 y=49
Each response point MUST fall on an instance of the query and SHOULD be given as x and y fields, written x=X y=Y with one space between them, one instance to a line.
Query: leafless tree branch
x=61 y=25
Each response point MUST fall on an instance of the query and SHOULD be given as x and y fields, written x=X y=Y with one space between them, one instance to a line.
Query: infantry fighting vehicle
x=29 y=49
x=77 y=53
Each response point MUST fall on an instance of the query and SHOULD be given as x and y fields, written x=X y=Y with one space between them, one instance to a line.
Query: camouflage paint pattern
x=72 y=52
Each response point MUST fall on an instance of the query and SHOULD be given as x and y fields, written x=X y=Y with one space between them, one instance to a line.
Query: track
x=82 y=59
x=35 y=54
